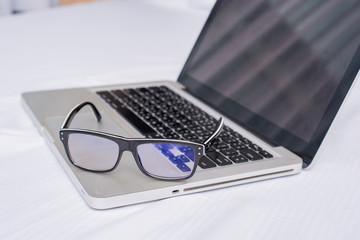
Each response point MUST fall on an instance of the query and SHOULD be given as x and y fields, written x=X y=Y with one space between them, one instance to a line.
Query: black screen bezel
x=259 y=125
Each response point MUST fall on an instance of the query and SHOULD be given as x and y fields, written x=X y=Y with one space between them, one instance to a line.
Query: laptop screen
x=278 y=68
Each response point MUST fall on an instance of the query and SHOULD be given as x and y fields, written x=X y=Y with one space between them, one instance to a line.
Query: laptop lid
x=278 y=68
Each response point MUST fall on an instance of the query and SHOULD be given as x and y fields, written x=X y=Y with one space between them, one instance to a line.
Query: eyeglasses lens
x=92 y=152
x=166 y=160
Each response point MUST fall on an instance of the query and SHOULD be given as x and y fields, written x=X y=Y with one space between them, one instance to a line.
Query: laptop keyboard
x=158 y=112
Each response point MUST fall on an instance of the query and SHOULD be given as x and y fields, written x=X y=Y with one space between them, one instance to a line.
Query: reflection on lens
x=93 y=152
x=166 y=160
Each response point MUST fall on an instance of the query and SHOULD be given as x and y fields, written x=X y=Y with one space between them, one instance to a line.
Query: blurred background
x=10 y=7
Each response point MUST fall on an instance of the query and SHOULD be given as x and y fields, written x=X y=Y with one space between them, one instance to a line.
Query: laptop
x=276 y=71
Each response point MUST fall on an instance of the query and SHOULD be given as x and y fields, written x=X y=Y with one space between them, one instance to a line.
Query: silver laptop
x=276 y=71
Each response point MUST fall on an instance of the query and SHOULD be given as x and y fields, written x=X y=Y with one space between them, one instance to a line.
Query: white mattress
x=112 y=42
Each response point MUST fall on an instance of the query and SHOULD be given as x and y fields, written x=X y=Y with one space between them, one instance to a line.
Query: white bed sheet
x=130 y=41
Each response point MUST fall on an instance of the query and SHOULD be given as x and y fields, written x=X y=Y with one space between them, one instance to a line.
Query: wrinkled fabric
x=112 y=42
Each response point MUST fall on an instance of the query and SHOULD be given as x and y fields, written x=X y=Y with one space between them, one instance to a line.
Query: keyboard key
x=223 y=134
x=218 y=158
x=171 y=135
x=245 y=140
x=265 y=154
x=251 y=155
x=107 y=96
x=132 y=92
x=255 y=147
x=153 y=135
x=239 y=159
x=220 y=145
x=167 y=153
x=162 y=129
x=229 y=152
x=205 y=162
x=228 y=129
x=238 y=146
x=190 y=136
x=230 y=139
x=182 y=158
x=210 y=126
x=195 y=127
x=174 y=160
x=237 y=135
x=144 y=91
x=183 y=167
x=182 y=130
x=202 y=133
x=120 y=94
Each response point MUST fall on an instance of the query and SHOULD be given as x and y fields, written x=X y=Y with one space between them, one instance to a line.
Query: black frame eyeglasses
x=165 y=159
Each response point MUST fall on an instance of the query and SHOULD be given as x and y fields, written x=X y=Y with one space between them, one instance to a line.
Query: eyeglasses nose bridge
x=124 y=145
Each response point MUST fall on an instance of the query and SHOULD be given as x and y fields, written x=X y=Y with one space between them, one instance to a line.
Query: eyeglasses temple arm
x=219 y=126
x=76 y=109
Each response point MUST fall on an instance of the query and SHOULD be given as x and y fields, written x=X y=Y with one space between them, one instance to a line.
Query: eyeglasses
x=165 y=159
